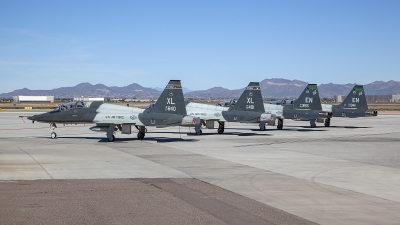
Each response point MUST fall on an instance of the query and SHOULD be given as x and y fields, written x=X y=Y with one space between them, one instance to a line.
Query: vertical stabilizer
x=171 y=100
x=309 y=99
x=356 y=99
x=250 y=100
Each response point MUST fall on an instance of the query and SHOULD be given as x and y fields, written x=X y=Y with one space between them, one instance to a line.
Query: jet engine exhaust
x=189 y=121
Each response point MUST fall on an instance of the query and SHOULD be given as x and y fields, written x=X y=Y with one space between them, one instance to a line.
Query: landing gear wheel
x=140 y=135
x=327 y=122
x=280 y=124
x=111 y=139
x=53 y=135
x=313 y=125
x=220 y=130
x=199 y=132
x=262 y=128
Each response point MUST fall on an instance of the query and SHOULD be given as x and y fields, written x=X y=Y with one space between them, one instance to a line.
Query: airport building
x=22 y=98
x=373 y=98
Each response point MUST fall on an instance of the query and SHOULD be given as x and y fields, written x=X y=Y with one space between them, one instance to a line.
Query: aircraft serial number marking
x=249 y=106
x=170 y=108
x=304 y=106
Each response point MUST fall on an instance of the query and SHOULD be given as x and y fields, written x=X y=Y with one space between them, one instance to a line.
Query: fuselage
x=339 y=111
x=91 y=112
x=223 y=114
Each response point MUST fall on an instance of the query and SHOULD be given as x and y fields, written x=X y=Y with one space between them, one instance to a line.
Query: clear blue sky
x=49 y=44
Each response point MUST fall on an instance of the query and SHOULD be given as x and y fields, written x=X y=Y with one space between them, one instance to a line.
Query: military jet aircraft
x=354 y=105
x=248 y=109
x=169 y=110
x=306 y=108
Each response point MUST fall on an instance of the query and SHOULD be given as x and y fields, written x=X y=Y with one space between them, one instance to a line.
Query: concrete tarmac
x=344 y=174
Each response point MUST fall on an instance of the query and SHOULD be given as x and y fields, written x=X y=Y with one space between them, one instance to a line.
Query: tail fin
x=171 y=100
x=250 y=100
x=309 y=99
x=356 y=99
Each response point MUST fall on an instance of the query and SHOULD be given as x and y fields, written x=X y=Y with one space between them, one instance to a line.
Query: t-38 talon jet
x=354 y=105
x=169 y=110
x=306 y=108
x=249 y=108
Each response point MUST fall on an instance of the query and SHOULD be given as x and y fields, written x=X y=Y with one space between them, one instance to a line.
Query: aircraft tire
x=111 y=139
x=220 y=131
x=280 y=124
x=140 y=135
x=53 y=135
x=262 y=128
x=313 y=125
x=327 y=122
x=199 y=133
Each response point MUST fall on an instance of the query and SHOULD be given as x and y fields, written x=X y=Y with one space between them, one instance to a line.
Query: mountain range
x=271 y=88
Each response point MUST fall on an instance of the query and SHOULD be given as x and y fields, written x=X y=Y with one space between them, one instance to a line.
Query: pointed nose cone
x=35 y=117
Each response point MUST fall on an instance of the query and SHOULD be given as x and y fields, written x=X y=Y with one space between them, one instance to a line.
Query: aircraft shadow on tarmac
x=347 y=127
x=157 y=139
x=225 y=133
x=292 y=129
x=350 y=127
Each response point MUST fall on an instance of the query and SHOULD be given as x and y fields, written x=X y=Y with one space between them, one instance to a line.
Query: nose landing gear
x=53 y=134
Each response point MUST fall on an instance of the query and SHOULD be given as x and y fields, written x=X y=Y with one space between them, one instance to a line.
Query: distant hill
x=88 y=90
x=283 y=88
x=215 y=92
x=184 y=90
x=273 y=88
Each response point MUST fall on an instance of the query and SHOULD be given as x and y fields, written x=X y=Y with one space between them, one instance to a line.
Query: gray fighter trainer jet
x=354 y=105
x=306 y=108
x=169 y=110
x=249 y=108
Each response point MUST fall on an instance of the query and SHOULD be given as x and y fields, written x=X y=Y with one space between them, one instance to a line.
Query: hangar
x=22 y=98
x=89 y=99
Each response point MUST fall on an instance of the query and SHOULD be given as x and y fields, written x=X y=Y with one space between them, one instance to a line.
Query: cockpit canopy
x=227 y=103
x=71 y=105
x=149 y=106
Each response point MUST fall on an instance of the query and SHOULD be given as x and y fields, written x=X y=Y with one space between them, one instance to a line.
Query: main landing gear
x=327 y=122
x=141 y=133
x=221 y=127
x=110 y=133
x=262 y=126
x=280 y=124
x=198 y=130
x=53 y=134
x=313 y=124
